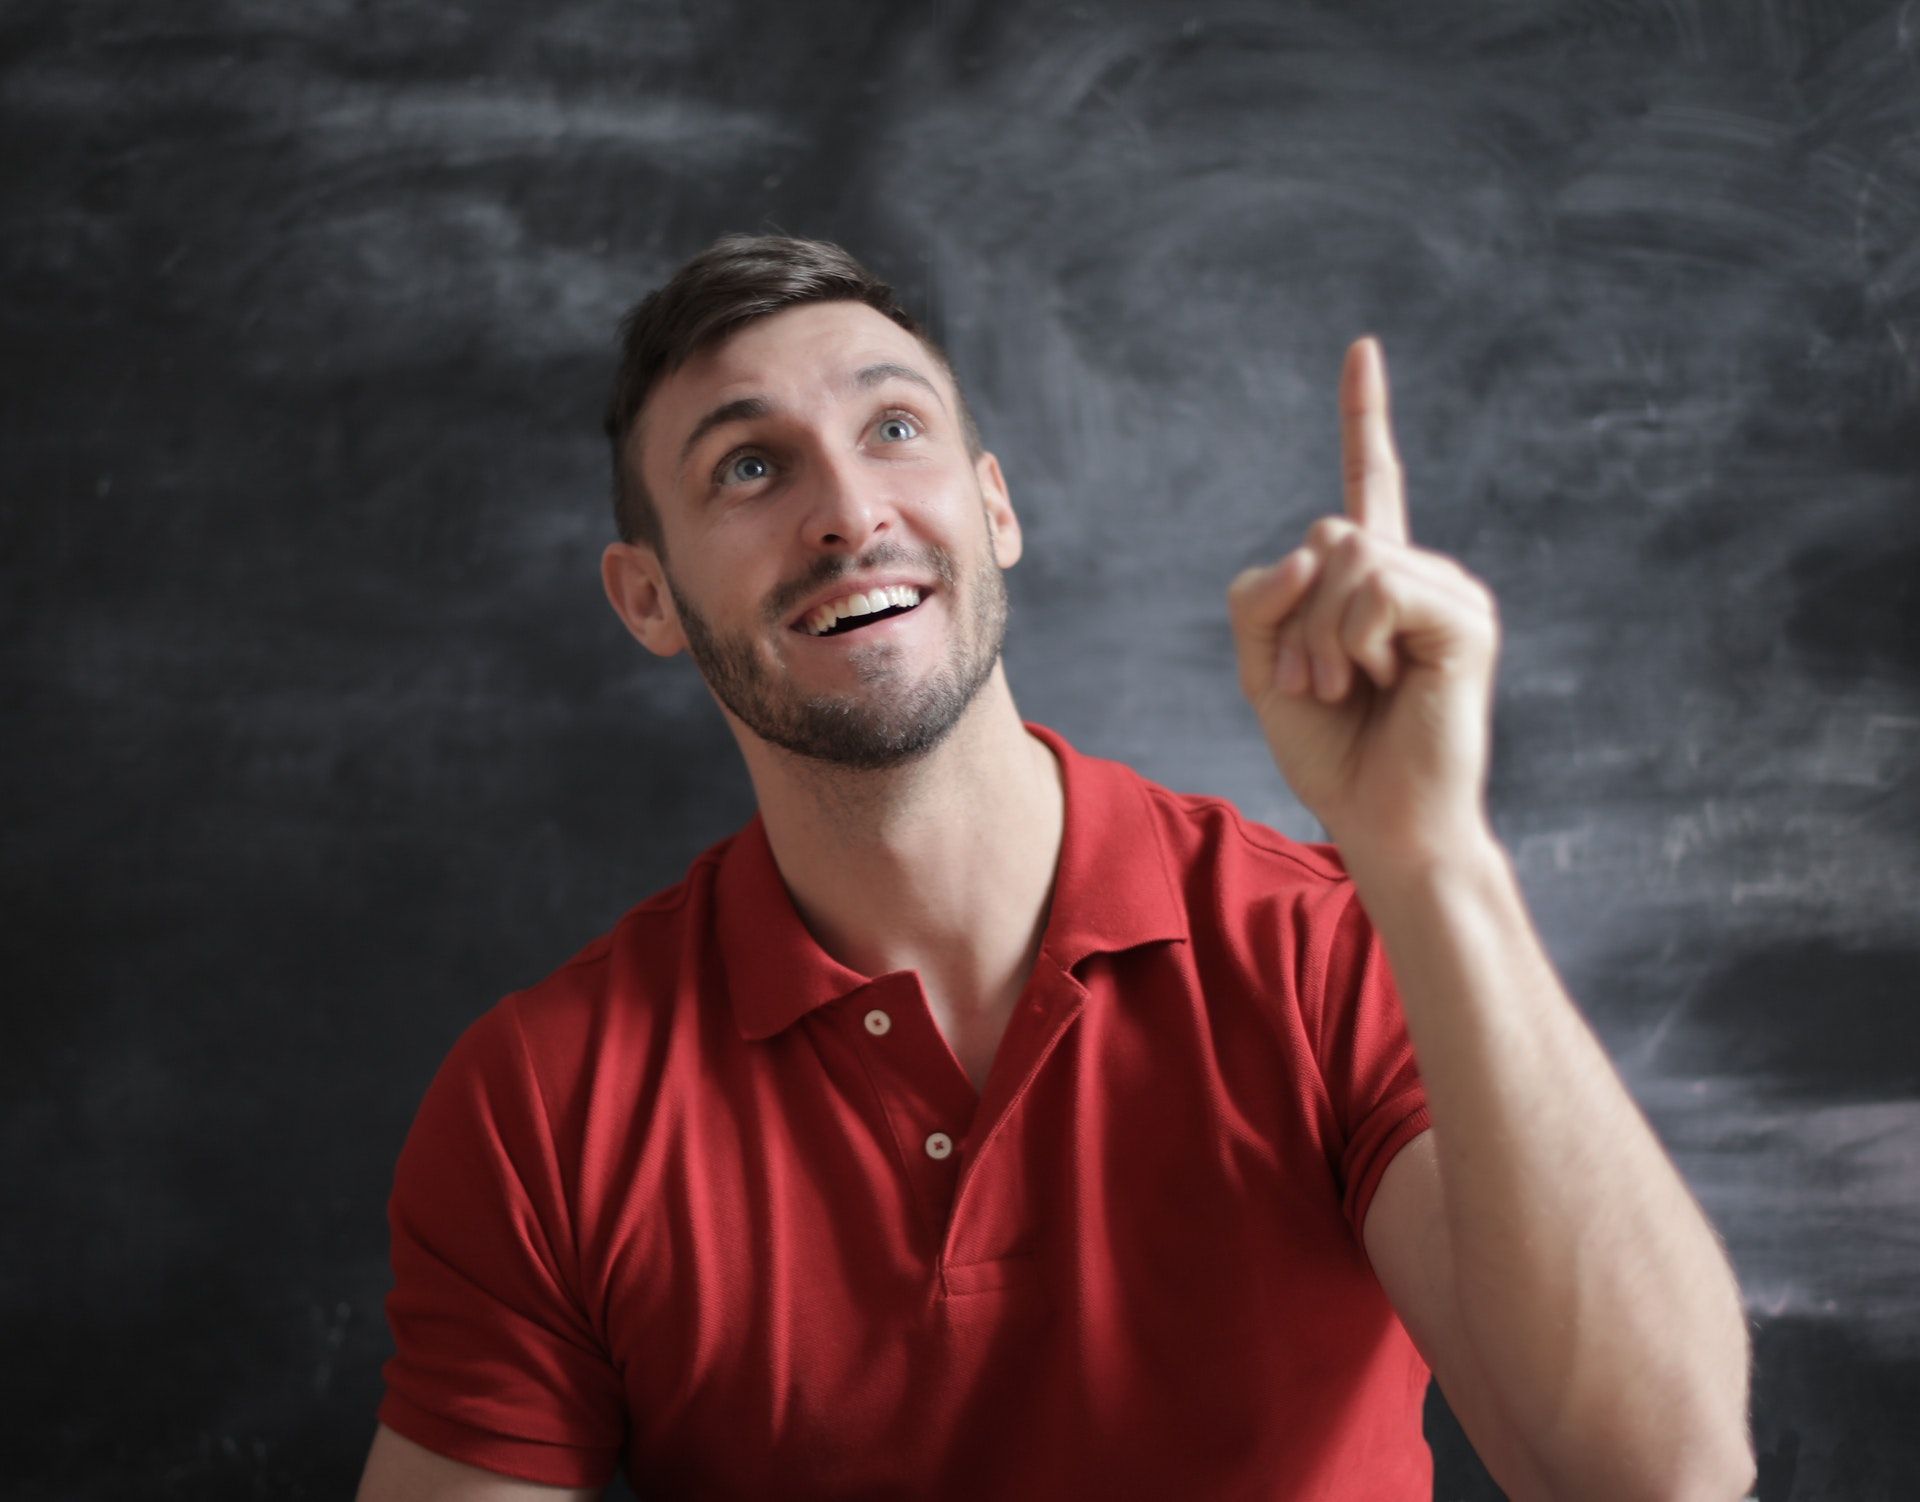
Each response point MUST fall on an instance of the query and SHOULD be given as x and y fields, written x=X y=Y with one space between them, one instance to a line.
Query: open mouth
x=858 y=611
x=856 y=622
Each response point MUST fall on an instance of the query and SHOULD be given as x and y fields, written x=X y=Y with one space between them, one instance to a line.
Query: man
x=985 y=1121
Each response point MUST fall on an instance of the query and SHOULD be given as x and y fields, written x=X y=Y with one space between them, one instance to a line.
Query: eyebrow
x=869 y=376
x=748 y=408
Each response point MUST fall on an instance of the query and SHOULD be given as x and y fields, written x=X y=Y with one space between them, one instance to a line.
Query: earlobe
x=1002 y=524
x=636 y=588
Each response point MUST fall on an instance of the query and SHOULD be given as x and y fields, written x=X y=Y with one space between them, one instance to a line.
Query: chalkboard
x=320 y=736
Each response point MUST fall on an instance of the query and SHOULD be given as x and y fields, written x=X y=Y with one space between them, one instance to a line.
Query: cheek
x=733 y=581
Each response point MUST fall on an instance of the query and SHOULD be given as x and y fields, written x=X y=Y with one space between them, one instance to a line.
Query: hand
x=1369 y=661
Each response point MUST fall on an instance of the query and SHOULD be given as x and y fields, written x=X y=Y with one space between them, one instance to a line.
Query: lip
x=879 y=631
x=841 y=588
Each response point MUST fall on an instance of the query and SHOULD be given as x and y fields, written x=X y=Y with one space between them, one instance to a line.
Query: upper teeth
x=822 y=619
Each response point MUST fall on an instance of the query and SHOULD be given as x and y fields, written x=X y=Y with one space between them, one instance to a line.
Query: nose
x=845 y=509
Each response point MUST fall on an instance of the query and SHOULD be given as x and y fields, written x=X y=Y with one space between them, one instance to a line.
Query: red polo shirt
x=709 y=1205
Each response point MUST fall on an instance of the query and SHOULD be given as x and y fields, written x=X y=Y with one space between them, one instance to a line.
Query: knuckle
x=1326 y=533
x=1482 y=616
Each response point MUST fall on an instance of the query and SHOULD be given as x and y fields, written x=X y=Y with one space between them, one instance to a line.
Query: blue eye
x=905 y=424
x=733 y=471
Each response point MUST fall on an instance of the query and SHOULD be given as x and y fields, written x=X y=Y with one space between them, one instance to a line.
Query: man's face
x=816 y=454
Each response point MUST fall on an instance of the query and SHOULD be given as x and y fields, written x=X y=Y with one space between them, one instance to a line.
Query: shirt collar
x=1114 y=889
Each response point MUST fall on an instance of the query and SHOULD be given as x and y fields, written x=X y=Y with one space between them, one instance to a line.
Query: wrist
x=1447 y=851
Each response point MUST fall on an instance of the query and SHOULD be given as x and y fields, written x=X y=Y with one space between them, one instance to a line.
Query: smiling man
x=984 y=1120
x=896 y=715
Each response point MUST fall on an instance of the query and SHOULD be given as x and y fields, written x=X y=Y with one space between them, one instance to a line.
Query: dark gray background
x=320 y=736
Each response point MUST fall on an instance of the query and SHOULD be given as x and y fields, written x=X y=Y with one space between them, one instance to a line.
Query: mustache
x=936 y=561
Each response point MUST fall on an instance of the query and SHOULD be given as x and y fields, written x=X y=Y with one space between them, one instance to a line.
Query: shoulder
x=1201 y=838
x=1258 y=902
x=1207 y=835
x=606 y=1005
x=635 y=962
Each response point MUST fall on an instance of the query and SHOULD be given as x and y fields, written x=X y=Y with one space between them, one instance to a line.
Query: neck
x=944 y=865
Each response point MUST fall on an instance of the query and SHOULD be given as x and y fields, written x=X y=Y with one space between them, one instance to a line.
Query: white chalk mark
x=1871 y=278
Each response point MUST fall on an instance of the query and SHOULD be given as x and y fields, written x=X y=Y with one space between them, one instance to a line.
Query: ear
x=636 y=586
x=1002 y=525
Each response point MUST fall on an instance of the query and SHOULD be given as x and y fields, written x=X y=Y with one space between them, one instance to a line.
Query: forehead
x=794 y=358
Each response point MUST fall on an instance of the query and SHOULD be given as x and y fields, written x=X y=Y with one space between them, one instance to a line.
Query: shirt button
x=878 y=1022
x=939 y=1145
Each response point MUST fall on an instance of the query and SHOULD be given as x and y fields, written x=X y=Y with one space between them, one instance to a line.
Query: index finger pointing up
x=1376 y=497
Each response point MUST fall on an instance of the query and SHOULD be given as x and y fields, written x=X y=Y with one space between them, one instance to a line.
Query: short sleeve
x=1365 y=1055
x=495 y=1362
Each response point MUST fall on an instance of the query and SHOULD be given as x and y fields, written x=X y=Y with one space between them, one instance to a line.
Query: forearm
x=1590 y=1283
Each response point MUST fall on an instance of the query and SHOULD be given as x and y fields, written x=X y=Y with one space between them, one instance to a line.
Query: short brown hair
x=735 y=280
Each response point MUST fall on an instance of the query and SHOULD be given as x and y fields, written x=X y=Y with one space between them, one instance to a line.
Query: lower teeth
x=854 y=623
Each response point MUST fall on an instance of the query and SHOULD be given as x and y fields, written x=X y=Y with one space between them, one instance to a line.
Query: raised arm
x=1539 y=1244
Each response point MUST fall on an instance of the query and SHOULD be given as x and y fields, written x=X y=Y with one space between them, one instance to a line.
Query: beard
x=893 y=720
